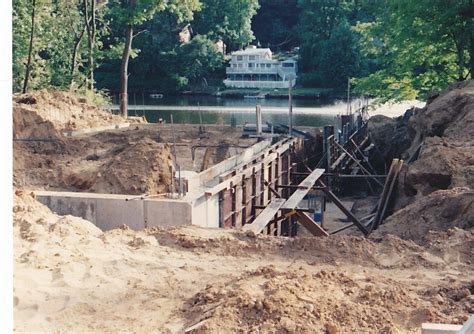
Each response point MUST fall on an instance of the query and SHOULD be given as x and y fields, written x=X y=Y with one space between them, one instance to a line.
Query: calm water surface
x=215 y=110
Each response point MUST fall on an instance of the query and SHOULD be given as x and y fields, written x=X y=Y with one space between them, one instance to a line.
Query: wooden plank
x=278 y=148
x=247 y=172
x=358 y=163
x=265 y=216
x=389 y=185
x=308 y=222
x=300 y=193
x=381 y=201
x=338 y=161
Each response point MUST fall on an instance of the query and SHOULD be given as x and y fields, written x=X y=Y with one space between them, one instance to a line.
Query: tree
x=91 y=28
x=329 y=52
x=340 y=58
x=421 y=46
x=30 y=48
x=274 y=25
x=199 y=58
x=50 y=51
x=133 y=13
x=227 y=20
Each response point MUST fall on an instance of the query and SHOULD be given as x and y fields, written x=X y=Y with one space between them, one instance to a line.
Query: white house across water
x=255 y=68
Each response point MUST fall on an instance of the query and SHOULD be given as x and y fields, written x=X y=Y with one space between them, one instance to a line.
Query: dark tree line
x=394 y=49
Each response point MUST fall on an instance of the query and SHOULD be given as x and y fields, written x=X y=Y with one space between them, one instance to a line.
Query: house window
x=262 y=65
x=269 y=65
x=251 y=65
x=251 y=57
x=234 y=65
x=240 y=65
x=240 y=58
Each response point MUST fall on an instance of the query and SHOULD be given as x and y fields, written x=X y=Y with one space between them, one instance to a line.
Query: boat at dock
x=257 y=96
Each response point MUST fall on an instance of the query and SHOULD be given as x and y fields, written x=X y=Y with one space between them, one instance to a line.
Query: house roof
x=251 y=52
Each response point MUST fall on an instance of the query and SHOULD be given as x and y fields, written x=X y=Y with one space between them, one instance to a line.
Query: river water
x=218 y=110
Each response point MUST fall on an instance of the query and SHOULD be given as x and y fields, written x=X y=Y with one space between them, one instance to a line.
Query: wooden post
x=290 y=102
x=254 y=193
x=244 y=201
x=234 y=207
x=258 y=123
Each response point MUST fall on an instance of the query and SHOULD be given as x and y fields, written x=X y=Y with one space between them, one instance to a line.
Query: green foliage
x=420 y=46
x=393 y=49
x=334 y=59
x=329 y=51
x=275 y=24
x=98 y=98
x=58 y=26
x=199 y=58
x=228 y=20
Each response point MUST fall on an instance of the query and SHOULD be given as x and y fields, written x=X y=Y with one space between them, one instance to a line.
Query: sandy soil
x=70 y=276
x=133 y=160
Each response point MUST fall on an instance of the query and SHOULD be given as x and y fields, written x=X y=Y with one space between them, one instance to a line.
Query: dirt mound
x=35 y=114
x=297 y=301
x=390 y=138
x=439 y=211
x=142 y=167
x=443 y=164
x=442 y=140
x=28 y=124
x=437 y=144
x=436 y=141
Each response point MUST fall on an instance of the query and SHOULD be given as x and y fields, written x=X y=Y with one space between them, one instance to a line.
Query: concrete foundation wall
x=111 y=211
x=205 y=211
x=167 y=213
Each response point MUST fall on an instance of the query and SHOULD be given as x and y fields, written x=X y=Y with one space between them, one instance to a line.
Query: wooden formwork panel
x=248 y=200
x=241 y=190
x=226 y=208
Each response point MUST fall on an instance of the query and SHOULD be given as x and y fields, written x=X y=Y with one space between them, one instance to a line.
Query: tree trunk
x=460 y=58
x=92 y=46
x=30 y=50
x=124 y=72
x=471 y=55
x=91 y=32
x=77 y=41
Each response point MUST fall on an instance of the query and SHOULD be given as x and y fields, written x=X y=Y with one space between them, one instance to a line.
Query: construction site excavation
x=361 y=226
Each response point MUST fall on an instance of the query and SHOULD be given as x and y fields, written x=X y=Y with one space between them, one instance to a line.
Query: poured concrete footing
x=111 y=211
x=430 y=328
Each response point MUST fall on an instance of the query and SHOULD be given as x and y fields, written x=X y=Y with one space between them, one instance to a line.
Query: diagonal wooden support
x=303 y=218
x=309 y=223
x=358 y=163
x=303 y=188
x=395 y=168
x=264 y=218
x=341 y=207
